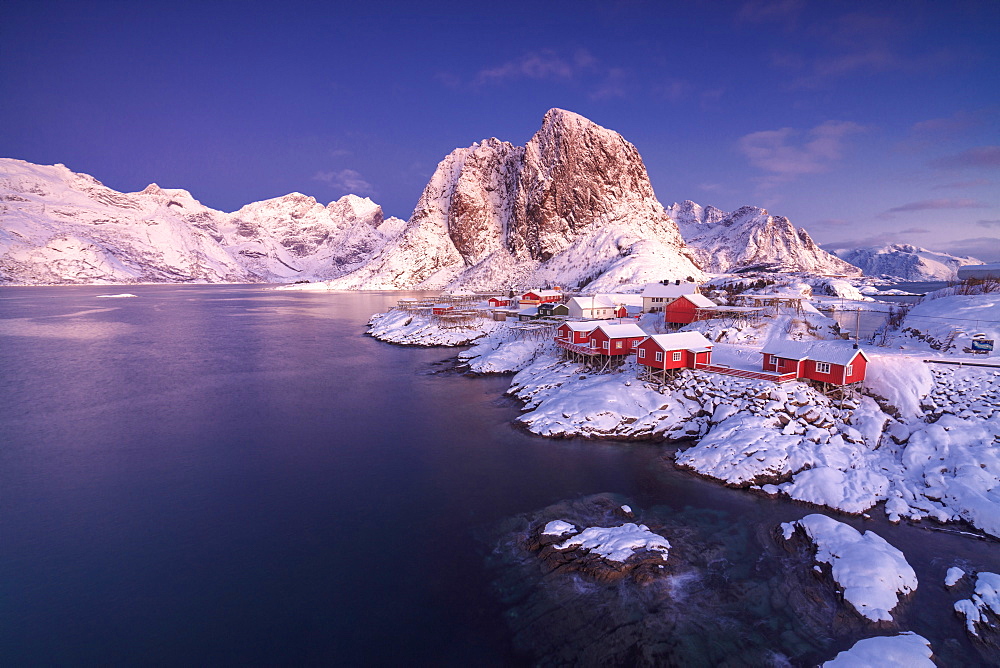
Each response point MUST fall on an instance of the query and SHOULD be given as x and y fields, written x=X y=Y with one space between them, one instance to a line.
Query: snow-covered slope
x=573 y=206
x=58 y=226
x=906 y=262
x=750 y=237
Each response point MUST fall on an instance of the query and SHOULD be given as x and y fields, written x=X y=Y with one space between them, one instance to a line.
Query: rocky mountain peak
x=494 y=213
x=751 y=237
x=357 y=210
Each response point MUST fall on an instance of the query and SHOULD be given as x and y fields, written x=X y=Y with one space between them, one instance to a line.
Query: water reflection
x=277 y=488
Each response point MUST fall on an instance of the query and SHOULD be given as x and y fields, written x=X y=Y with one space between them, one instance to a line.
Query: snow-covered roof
x=580 y=326
x=694 y=341
x=621 y=331
x=672 y=290
x=531 y=310
x=699 y=300
x=543 y=293
x=834 y=352
x=980 y=271
x=628 y=299
x=596 y=301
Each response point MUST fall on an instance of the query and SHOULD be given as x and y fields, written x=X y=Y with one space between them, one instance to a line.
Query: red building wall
x=680 y=311
x=807 y=369
x=687 y=360
x=626 y=347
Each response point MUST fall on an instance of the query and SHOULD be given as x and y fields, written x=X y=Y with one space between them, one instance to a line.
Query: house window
x=606 y=345
x=822 y=367
x=677 y=356
x=642 y=352
x=850 y=369
x=773 y=359
x=659 y=356
x=618 y=344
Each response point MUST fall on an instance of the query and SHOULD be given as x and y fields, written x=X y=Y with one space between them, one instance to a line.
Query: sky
x=864 y=122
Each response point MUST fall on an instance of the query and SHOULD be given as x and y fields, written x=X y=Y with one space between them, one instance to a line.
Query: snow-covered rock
x=984 y=601
x=618 y=543
x=906 y=262
x=952 y=577
x=558 y=528
x=870 y=571
x=906 y=649
x=751 y=237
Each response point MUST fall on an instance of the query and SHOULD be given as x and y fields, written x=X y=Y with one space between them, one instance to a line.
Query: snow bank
x=871 y=572
x=121 y=296
x=618 y=543
x=907 y=649
x=902 y=380
x=986 y=598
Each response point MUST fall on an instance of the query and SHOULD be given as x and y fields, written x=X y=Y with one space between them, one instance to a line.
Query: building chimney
x=677 y=282
x=855 y=346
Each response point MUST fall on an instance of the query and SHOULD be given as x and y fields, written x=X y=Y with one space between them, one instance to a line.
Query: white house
x=603 y=306
x=656 y=295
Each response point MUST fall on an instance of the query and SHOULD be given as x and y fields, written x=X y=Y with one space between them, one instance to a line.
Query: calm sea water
x=229 y=475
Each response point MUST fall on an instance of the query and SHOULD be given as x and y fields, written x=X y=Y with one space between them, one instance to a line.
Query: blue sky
x=865 y=123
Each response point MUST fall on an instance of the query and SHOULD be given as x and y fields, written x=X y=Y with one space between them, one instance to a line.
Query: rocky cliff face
x=752 y=238
x=58 y=226
x=573 y=206
x=906 y=262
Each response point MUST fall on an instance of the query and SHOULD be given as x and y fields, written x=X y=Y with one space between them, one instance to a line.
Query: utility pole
x=857 y=327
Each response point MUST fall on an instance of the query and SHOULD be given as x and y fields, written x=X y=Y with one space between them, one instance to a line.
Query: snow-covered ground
x=399 y=326
x=947 y=324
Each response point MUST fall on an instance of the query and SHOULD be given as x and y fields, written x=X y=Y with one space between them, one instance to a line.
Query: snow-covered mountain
x=573 y=206
x=749 y=238
x=58 y=226
x=906 y=262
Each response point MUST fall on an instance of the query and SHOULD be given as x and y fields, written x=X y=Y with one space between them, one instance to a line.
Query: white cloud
x=787 y=152
x=347 y=180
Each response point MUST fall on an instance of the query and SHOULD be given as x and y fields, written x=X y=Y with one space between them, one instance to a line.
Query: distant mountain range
x=574 y=206
x=57 y=226
x=906 y=262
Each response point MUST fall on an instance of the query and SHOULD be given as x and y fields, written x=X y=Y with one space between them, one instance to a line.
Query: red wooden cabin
x=575 y=333
x=683 y=310
x=498 y=302
x=536 y=297
x=683 y=350
x=614 y=339
x=830 y=362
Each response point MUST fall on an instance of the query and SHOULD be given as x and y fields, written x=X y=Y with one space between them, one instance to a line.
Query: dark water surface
x=228 y=475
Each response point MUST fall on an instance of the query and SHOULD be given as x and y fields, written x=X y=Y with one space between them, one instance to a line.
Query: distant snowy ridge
x=59 y=226
x=574 y=207
x=906 y=262
x=750 y=237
